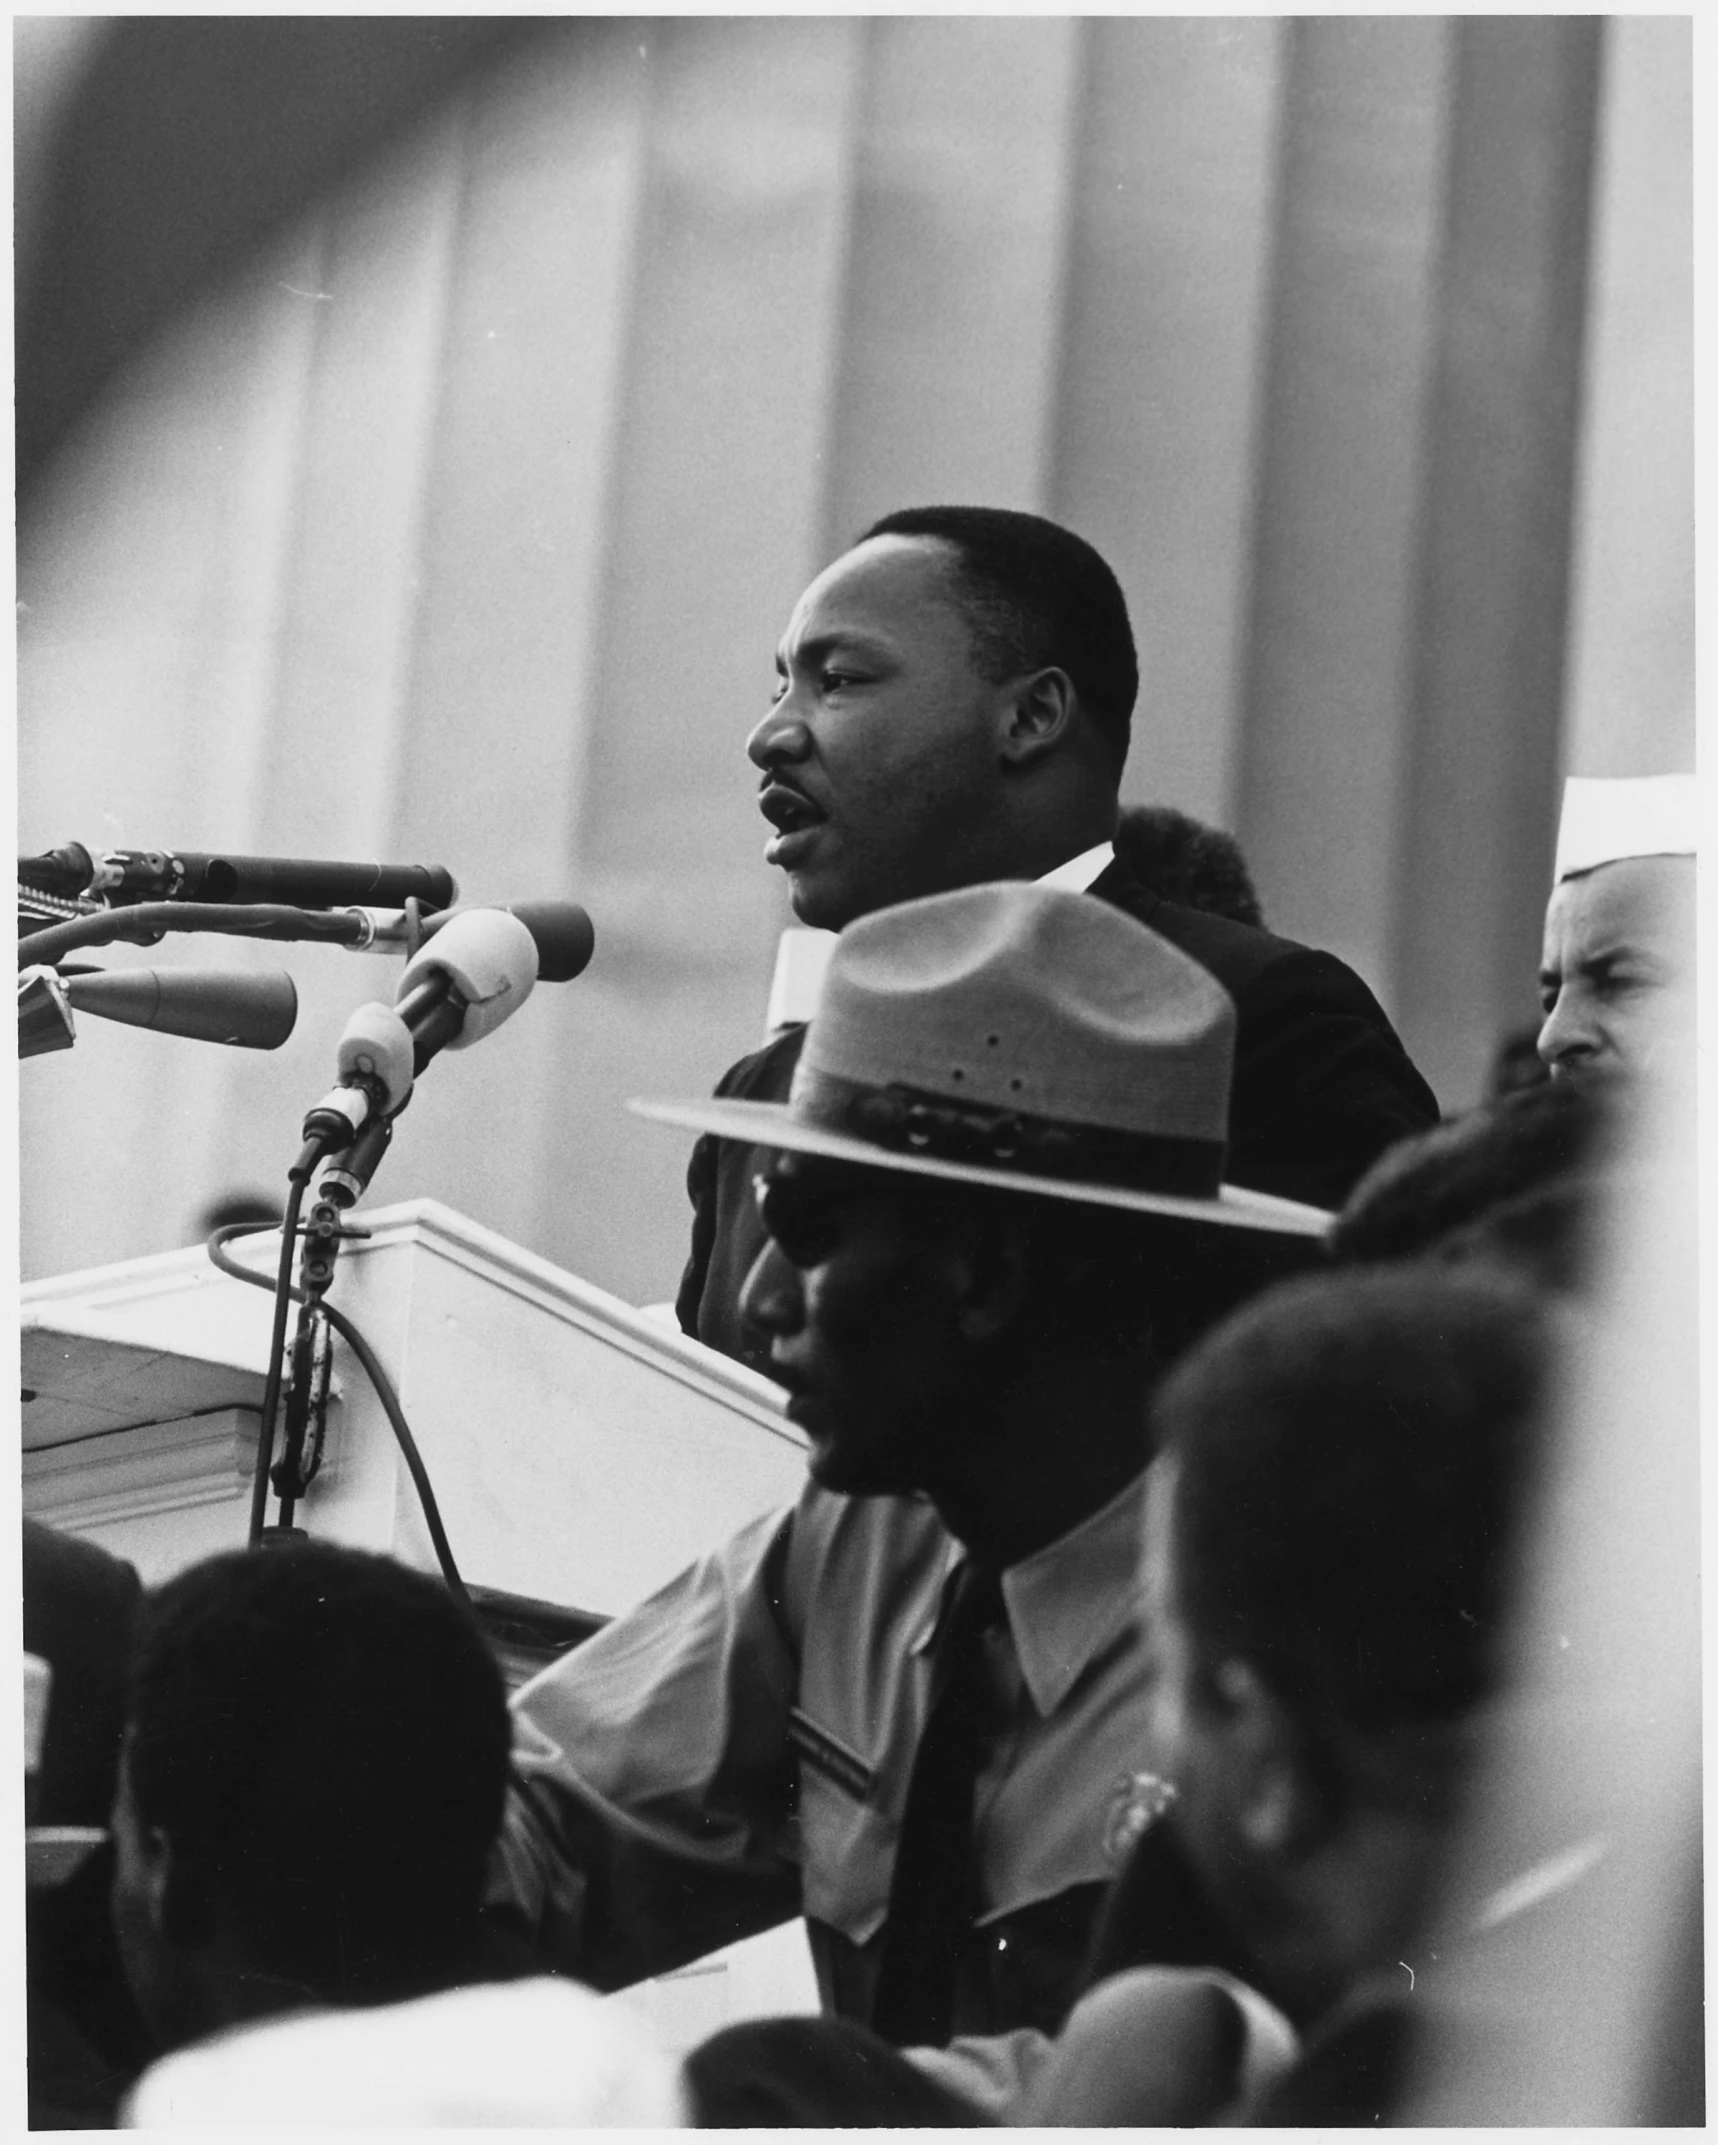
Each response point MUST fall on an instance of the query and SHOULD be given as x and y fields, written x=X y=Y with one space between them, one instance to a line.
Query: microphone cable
x=146 y=922
x=284 y=1291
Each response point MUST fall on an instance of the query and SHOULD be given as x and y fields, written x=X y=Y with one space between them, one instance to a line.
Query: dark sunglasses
x=804 y=1214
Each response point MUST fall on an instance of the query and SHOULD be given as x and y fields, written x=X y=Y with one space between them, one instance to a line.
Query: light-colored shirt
x=738 y=1749
x=1081 y=873
x=533 y=2054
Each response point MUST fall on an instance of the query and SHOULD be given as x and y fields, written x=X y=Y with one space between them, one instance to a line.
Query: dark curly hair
x=1185 y=861
x=1538 y=1152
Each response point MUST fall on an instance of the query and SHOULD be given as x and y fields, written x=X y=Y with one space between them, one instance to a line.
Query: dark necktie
x=931 y=1893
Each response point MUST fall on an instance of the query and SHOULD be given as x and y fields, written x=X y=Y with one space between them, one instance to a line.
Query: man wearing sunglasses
x=953 y=707
x=913 y=1708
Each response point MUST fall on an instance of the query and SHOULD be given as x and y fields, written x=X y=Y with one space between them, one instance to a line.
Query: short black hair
x=324 y=1735
x=1036 y=596
x=1449 y=1178
x=1551 y=1235
x=1354 y=1454
x=1185 y=861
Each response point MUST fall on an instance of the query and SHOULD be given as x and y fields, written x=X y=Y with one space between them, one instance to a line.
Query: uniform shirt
x=738 y=1750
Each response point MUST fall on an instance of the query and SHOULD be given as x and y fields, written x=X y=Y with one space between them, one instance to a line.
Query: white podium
x=582 y=1452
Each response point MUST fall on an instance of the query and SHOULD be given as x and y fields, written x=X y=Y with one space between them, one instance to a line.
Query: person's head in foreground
x=998 y=1205
x=1616 y=974
x=954 y=702
x=1522 y=1181
x=314 y=1764
x=1330 y=1554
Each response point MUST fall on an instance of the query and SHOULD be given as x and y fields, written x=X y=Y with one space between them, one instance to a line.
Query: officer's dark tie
x=931 y=1895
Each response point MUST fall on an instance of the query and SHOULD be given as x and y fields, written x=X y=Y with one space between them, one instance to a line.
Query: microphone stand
x=312 y=1362
x=345 y=1179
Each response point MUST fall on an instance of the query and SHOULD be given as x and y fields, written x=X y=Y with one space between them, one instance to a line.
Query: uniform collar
x=1066 y=1600
x=1079 y=873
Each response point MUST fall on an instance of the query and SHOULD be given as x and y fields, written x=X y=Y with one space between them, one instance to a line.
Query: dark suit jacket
x=87 y=2042
x=80 y=1608
x=1321 y=1087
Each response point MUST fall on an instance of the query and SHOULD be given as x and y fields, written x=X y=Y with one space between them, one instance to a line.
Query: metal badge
x=1134 y=1808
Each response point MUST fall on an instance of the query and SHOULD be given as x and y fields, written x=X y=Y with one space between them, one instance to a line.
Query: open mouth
x=799 y=1406
x=796 y=820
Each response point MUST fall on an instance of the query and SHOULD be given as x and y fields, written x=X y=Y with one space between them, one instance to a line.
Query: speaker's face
x=878 y=758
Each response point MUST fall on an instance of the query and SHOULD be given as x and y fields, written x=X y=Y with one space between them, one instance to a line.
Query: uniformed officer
x=912 y=1708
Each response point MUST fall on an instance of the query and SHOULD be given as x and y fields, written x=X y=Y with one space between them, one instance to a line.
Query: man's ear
x=174 y=1890
x=987 y=1270
x=1280 y=1807
x=1040 y=712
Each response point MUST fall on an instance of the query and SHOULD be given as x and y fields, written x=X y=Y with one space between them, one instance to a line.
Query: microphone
x=456 y=989
x=128 y=875
x=562 y=931
x=255 y=1012
x=252 y=1012
x=65 y=871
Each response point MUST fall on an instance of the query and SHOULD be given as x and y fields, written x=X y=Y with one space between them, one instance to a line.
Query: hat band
x=918 y=1121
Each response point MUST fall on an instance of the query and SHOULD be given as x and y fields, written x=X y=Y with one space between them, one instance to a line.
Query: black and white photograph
x=859 y=1226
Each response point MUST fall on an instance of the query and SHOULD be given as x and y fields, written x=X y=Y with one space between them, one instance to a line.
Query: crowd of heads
x=1346 y=1467
x=1346 y=1437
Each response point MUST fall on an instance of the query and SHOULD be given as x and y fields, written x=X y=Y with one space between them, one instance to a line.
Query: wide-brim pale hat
x=1021 y=1037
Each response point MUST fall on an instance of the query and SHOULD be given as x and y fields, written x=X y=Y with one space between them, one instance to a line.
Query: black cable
x=148 y=920
x=282 y=1287
x=378 y=1377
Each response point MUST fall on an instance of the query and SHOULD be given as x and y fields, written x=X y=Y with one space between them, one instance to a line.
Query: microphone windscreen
x=565 y=939
x=560 y=930
x=491 y=959
x=256 y=1012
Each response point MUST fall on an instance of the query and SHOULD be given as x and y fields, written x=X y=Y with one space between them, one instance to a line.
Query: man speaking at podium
x=954 y=707
x=913 y=1707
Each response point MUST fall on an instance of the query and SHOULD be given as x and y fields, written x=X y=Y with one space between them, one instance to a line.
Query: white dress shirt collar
x=1080 y=873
